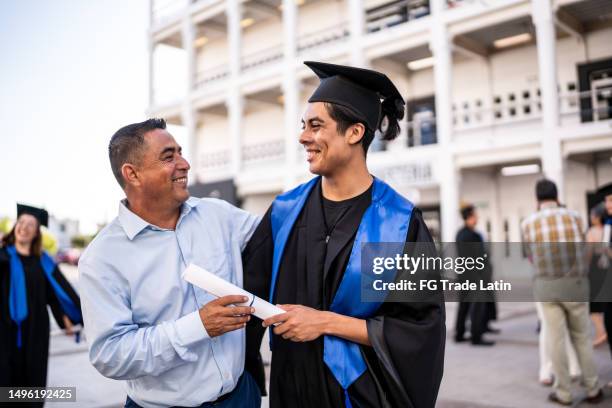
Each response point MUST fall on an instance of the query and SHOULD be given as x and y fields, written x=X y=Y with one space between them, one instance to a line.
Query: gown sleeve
x=53 y=302
x=408 y=339
x=257 y=267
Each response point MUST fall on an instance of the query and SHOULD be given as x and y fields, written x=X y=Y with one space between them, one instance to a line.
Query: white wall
x=260 y=124
x=321 y=15
x=213 y=134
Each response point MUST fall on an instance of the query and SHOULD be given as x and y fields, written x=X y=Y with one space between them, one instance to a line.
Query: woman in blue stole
x=332 y=348
x=29 y=282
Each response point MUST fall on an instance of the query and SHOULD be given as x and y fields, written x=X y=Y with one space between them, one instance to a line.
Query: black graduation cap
x=605 y=190
x=358 y=89
x=41 y=215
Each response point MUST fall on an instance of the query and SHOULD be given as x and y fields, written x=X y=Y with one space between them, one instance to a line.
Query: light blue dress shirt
x=141 y=318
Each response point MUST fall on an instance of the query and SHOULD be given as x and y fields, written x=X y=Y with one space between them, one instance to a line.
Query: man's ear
x=130 y=174
x=355 y=133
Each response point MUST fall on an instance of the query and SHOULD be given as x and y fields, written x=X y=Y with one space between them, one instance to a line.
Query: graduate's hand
x=68 y=326
x=299 y=323
x=219 y=316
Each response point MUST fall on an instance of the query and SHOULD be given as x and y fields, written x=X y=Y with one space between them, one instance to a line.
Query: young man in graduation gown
x=331 y=348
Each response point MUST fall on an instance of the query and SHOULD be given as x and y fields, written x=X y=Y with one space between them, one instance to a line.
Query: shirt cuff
x=190 y=329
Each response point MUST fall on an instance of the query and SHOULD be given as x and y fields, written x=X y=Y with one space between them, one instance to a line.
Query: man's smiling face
x=163 y=170
x=326 y=149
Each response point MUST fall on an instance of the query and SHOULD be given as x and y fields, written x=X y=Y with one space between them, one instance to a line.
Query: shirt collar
x=549 y=204
x=132 y=224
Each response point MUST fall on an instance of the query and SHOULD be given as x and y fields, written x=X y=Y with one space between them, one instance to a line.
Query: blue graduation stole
x=18 y=302
x=386 y=220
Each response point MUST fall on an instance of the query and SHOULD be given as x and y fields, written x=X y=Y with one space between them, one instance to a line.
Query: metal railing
x=592 y=106
x=395 y=13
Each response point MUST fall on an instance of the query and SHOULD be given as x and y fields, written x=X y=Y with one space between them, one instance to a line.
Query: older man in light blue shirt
x=175 y=344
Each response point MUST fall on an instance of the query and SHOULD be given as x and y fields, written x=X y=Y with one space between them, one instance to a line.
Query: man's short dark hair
x=467 y=211
x=546 y=190
x=127 y=145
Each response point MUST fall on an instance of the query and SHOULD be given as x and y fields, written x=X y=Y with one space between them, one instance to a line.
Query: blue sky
x=72 y=73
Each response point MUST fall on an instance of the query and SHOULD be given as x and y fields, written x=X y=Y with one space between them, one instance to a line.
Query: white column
x=447 y=172
x=190 y=151
x=151 y=71
x=188 y=113
x=552 y=160
x=357 y=30
x=188 y=40
x=235 y=100
x=151 y=55
x=235 y=105
x=290 y=91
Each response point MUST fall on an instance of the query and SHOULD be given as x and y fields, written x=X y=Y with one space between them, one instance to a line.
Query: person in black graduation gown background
x=402 y=343
x=24 y=341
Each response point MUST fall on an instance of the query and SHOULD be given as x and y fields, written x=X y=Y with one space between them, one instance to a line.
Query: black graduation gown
x=27 y=366
x=405 y=363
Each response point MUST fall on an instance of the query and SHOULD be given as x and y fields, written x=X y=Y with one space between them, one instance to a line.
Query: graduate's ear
x=355 y=133
x=130 y=174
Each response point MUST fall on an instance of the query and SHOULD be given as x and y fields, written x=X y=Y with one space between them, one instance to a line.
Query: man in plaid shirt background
x=553 y=236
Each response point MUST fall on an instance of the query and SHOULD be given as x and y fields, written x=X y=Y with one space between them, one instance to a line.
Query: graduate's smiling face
x=327 y=150
x=26 y=229
x=162 y=174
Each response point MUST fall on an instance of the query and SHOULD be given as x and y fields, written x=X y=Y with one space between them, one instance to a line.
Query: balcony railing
x=274 y=53
x=219 y=160
x=329 y=35
x=395 y=13
x=263 y=57
x=252 y=155
x=264 y=152
x=212 y=74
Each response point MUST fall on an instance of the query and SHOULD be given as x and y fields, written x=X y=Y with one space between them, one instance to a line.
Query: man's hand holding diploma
x=220 y=316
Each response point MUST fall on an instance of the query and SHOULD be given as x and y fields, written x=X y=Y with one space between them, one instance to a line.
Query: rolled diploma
x=219 y=287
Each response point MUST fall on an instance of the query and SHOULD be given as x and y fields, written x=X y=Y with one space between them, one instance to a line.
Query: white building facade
x=499 y=94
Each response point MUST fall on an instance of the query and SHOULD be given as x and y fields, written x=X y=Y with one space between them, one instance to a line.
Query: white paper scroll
x=219 y=287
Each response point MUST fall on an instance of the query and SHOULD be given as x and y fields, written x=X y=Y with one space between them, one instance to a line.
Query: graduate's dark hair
x=467 y=211
x=127 y=145
x=388 y=124
x=35 y=246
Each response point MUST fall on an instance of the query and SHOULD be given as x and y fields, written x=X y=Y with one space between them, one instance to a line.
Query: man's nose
x=183 y=164
x=305 y=137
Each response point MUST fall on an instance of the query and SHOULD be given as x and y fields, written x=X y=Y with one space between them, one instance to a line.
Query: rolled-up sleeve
x=118 y=347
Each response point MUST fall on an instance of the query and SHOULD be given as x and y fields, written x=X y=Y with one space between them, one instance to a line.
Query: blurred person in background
x=559 y=287
x=470 y=244
x=597 y=269
x=606 y=192
x=29 y=281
